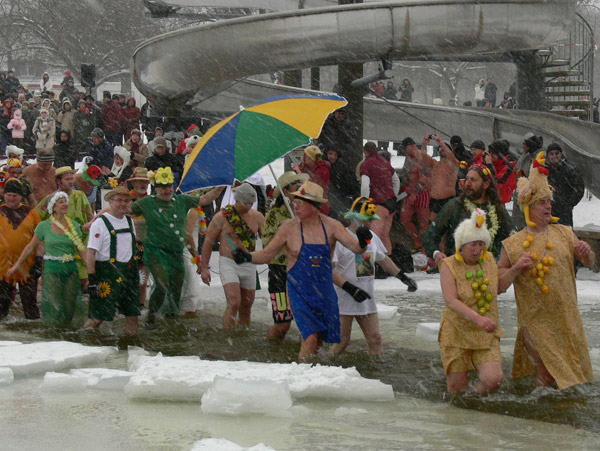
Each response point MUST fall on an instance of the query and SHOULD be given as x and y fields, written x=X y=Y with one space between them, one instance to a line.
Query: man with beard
x=479 y=192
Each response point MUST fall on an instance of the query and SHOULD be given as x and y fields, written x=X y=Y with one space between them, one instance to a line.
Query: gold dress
x=459 y=332
x=553 y=319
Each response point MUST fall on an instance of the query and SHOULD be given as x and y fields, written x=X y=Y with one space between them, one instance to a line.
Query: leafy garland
x=69 y=231
x=491 y=214
x=240 y=227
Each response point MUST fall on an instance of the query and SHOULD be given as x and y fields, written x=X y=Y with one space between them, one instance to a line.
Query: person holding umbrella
x=310 y=239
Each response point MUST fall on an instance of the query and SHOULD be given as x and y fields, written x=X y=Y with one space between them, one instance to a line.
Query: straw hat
x=139 y=174
x=311 y=192
x=287 y=178
x=63 y=170
x=118 y=190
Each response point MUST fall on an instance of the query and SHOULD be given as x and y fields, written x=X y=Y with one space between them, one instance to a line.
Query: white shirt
x=359 y=270
x=99 y=239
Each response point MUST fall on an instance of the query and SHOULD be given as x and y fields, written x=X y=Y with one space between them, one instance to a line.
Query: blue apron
x=310 y=289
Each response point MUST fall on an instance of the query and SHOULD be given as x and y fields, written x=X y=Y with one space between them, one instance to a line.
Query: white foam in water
x=41 y=357
x=63 y=383
x=240 y=397
x=103 y=378
x=10 y=343
x=220 y=444
x=428 y=331
x=133 y=353
x=386 y=311
x=6 y=376
x=188 y=378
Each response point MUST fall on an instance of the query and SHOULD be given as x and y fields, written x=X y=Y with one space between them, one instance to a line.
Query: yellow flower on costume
x=103 y=289
x=113 y=182
x=119 y=280
x=164 y=176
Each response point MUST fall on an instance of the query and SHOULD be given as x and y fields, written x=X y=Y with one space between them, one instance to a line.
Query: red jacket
x=506 y=178
x=320 y=174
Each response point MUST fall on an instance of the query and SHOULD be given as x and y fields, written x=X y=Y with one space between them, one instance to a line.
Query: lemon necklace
x=480 y=286
x=542 y=267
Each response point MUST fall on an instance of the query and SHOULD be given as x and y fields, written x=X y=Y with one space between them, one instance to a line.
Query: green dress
x=61 y=289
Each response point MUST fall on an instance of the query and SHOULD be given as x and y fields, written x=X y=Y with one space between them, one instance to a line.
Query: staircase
x=568 y=70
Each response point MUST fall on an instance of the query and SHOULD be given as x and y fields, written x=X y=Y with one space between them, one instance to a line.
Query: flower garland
x=491 y=214
x=202 y=223
x=69 y=231
x=240 y=227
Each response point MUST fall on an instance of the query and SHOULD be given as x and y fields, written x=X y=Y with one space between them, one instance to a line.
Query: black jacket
x=568 y=190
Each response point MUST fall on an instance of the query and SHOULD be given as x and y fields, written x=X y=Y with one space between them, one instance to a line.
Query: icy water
x=422 y=416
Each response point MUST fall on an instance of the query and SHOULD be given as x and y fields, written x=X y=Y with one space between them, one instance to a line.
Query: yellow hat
x=314 y=153
x=64 y=170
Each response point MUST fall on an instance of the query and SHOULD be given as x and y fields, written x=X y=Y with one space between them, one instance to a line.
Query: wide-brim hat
x=139 y=174
x=118 y=190
x=287 y=178
x=310 y=191
x=64 y=170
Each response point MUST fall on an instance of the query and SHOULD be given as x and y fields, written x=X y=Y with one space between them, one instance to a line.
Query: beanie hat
x=98 y=132
x=499 y=147
x=245 y=194
x=554 y=146
x=533 y=142
x=13 y=186
x=455 y=140
x=472 y=229
x=363 y=209
x=478 y=144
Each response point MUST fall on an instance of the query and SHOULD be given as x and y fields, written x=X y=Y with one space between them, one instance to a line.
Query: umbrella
x=240 y=145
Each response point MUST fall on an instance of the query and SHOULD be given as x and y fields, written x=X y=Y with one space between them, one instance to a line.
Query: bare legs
x=490 y=378
x=369 y=324
x=239 y=306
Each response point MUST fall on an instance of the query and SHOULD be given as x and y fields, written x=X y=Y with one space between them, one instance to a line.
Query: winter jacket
x=103 y=154
x=45 y=85
x=65 y=152
x=113 y=118
x=17 y=125
x=568 y=190
x=133 y=116
x=506 y=178
x=66 y=119
x=83 y=124
x=139 y=153
x=45 y=131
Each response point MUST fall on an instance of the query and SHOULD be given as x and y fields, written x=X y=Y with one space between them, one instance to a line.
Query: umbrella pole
x=285 y=199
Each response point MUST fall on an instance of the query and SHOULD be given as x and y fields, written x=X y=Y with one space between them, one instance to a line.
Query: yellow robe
x=552 y=320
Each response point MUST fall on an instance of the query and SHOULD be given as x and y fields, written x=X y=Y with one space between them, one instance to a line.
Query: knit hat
x=478 y=144
x=363 y=209
x=408 y=141
x=533 y=142
x=45 y=155
x=472 y=229
x=311 y=192
x=314 y=153
x=244 y=194
x=535 y=187
x=13 y=186
x=500 y=147
x=554 y=147
x=286 y=179
x=455 y=140
x=97 y=132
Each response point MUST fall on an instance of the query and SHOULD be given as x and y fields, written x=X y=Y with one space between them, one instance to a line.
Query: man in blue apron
x=310 y=238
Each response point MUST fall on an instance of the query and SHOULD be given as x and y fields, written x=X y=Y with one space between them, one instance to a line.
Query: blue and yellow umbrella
x=250 y=139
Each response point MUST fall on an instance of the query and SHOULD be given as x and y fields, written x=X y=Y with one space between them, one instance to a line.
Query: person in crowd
x=18 y=126
x=114 y=121
x=339 y=133
x=66 y=118
x=338 y=186
x=45 y=82
x=443 y=176
x=29 y=114
x=66 y=78
x=139 y=150
x=112 y=269
x=504 y=169
x=234 y=227
x=539 y=260
x=41 y=175
x=45 y=130
x=567 y=182
x=390 y=91
x=406 y=90
x=132 y=115
x=532 y=144
x=377 y=89
x=12 y=82
x=14 y=169
x=48 y=105
x=121 y=170
x=61 y=290
x=17 y=225
x=319 y=171
x=65 y=150
x=288 y=183
x=480 y=92
x=417 y=185
x=67 y=92
x=83 y=123
x=310 y=238
x=379 y=182
x=162 y=159
x=165 y=216
x=490 y=92
x=89 y=178
x=480 y=192
x=469 y=333
x=478 y=152
x=354 y=277
x=101 y=150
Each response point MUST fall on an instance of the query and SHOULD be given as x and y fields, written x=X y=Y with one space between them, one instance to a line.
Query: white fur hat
x=124 y=154
x=15 y=150
x=472 y=229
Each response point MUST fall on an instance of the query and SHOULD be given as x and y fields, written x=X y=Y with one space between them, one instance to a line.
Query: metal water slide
x=210 y=63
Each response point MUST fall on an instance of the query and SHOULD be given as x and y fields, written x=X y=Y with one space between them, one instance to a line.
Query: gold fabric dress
x=457 y=331
x=553 y=319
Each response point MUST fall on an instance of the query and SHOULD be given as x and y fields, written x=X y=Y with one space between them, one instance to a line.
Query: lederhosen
x=118 y=282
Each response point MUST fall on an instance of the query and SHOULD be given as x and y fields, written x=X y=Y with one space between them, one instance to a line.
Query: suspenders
x=113 y=236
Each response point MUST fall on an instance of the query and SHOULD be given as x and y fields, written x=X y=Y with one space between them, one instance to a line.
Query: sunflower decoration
x=103 y=289
x=164 y=176
x=113 y=182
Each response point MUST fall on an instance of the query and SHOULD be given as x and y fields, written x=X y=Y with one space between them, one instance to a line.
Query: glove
x=358 y=294
x=364 y=236
x=92 y=285
x=410 y=283
x=36 y=270
x=241 y=256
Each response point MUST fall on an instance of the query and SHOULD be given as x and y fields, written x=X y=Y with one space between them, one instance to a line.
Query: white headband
x=58 y=195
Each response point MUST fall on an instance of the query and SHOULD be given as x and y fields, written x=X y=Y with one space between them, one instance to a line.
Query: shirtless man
x=41 y=175
x=310 y=238
x=443 y=178
x=235 y=226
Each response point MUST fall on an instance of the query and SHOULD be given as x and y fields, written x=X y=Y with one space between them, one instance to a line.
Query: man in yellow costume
x=539 y=260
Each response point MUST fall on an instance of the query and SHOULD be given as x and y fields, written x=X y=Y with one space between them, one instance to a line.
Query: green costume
x=118 y=282
x=453 y=213
x=163 y=248
x=79 y=209
x=61 y=290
